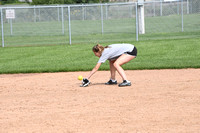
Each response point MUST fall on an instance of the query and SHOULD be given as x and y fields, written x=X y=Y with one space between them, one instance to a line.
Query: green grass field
x=152 y=54
x=163 y=45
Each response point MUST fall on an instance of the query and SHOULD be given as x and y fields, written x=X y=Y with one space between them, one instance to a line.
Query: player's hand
x=85 y=82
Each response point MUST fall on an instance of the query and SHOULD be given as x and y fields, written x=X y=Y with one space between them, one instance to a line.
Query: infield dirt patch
x=159 y=101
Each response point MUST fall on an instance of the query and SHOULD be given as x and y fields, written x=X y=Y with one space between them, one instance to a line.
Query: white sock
x=113 y=80
x=128 y=81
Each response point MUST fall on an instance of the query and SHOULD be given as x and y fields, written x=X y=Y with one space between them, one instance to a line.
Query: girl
x=117 y=54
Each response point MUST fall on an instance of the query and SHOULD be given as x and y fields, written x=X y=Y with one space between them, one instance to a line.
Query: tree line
x=45 y=2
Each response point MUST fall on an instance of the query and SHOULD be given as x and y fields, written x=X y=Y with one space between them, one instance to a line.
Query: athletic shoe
x=110 y=82
x=85 y=82
x=125 y=83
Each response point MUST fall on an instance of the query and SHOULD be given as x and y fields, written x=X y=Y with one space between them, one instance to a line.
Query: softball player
x=117 y=54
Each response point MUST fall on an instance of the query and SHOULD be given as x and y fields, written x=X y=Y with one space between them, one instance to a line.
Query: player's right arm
x=96 y=68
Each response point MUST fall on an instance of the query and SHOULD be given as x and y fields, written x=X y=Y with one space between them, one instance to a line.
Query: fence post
x=136 y=20
x=58 y=10
x=63 y=27
x=2 y=28
x=83 y=12
x=101 y=19
x=11 y=27
x=34 y=14
x=141 y=23
x=106 y=11
x=182 y=13
x=178 y=7
x=154 y=10
x=188 y=9
x=39 y=15
x=160 y=7
x=70 y=41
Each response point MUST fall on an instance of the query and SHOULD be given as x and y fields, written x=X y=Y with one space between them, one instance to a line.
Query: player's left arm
x=96 y=68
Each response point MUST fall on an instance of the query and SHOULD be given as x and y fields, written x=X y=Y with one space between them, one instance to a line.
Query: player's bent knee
x=116 y=64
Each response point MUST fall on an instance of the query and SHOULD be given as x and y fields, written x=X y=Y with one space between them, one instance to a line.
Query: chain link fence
x=97 y=23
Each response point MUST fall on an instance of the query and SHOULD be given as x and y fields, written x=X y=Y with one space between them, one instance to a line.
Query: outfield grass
x=154 y=54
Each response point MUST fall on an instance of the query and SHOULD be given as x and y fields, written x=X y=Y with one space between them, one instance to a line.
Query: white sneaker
x=125 y=83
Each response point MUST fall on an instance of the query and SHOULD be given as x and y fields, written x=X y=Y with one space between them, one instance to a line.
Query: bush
x=41 y=2
x=8 y=1
x=45 y=2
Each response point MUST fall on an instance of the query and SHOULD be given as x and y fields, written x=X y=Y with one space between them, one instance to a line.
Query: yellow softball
x=80 y=77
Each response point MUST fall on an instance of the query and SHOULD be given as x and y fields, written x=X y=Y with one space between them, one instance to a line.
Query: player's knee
x=116 y=64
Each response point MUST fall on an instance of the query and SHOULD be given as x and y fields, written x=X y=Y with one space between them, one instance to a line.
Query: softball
x=80 y=77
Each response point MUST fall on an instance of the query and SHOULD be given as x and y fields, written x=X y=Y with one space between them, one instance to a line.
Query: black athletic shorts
x=133 y=52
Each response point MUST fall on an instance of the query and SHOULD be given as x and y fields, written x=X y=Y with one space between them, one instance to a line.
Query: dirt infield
x=159 y=101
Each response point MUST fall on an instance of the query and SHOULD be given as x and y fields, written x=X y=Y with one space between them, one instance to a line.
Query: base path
x=159 y=101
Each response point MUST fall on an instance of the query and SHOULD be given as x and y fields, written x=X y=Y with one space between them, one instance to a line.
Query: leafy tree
x=8 y=1
x=40 y=2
